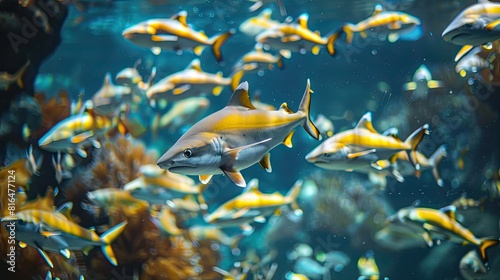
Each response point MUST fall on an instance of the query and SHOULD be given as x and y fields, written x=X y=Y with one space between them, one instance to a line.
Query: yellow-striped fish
x=259 y=60
x=252 y=204
x=361 y=146
x=395 y=24
x=254 y=25
x=432 y=223
x=236 y=137
x=476 y=25
x=7 y=79
x=192 y=81
x=295 y=36
x=174 y=34
x=55 y=232
x=421 y=83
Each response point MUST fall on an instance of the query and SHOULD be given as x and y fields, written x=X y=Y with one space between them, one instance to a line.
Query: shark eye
x=326 y=154
x=468 y=25
x=188 y=153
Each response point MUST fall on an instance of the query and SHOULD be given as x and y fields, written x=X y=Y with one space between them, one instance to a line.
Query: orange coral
x=53 y=111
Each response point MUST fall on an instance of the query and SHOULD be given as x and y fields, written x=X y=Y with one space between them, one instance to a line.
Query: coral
x=53 y=111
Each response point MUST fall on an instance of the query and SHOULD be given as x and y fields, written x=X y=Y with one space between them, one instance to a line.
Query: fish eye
x=468 y=25
x=326 y=154
x=188 y=153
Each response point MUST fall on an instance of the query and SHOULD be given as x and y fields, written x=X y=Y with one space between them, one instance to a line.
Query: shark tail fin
x=293 y=193
x=108 y=237
x=236 y=77
x=485 y=244
x=413 y=140
x=217 y=42
x=348 y=29
x=330 y=45
x=304 y=107
x=434 y=160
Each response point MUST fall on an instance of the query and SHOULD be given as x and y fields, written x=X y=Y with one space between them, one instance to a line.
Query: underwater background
x=342 y=211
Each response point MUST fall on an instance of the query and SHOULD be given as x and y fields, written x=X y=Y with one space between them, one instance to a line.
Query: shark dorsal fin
x=266 y=13
x=284 y=108
x=378 y=9
x=302 y=20
x=252 y=186
x=258 y=47
x=65 y=209
x=366 y=122
x=107 y=79
x=449 y=211
x=240 y=97
x=181 y=17
x=195 y=65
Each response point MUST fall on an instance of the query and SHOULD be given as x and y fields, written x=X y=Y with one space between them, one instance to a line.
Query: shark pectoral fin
x=410 y=86
x=240 y=213
x=399 y=177
x=265 y=162
x=359 y=154
x=492 y=25
x=232 y=154
x=394 y=25
x=96 y=144
x=246 y=228
x=286 y=53
x=315 y=50
x=181 y=89
x=204 y=179
x=198 y=50
x=260 y=219
x=45 y=257
x=427 y=237
x=49 y=233
x=434 y=84
x=81 y=137
x=217 y=90
x=290 y=38
x=393 y=37
x=236 y=177
x=164 y=38
x=156 y=50
x=380 y=164
x=81 y=152
x=288 y=139
x=66 y=253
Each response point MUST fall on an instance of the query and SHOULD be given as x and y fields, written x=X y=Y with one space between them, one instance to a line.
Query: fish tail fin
x=304 y=107
x=108 y=237
x=279 y=62
x=236 y=77
x=434 y=160
x=235 y=241
x=330 y=44
x=485 y=244
x=155 y=125
x=217 y=42
x=20 y=73
x=413 y=140
x=293 y=193
x=348 y=29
